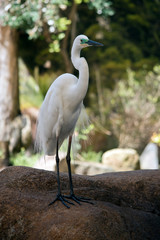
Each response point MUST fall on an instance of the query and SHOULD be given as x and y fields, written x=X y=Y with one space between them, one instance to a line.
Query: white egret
x=60 y=111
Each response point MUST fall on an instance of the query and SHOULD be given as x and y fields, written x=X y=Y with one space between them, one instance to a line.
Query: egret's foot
x=78 y=199
x=62 y=199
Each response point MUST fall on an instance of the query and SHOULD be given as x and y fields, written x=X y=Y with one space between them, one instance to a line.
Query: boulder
x=125 y=206
x=121 y=159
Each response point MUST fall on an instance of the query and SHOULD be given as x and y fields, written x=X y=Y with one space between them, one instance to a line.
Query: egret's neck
x=75 y=56
x=81 y=65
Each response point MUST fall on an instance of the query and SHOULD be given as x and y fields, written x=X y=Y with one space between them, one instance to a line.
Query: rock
x=26 y=136
x=32 y=113
x=121 y=159
x=49 y=162
x=126 y=206
x=20 y=132
x=89 y=168
x=15 y=133
x=78 y=167
x=149 y=157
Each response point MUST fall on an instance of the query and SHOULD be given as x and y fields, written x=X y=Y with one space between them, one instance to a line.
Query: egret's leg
x=57 y=164
x=72 y=195
x=59 y=196
x=68 y=159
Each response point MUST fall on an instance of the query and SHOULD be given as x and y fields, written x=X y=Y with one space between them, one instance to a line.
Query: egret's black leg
x=59 y=195
x=72 y=195
x=68 y=159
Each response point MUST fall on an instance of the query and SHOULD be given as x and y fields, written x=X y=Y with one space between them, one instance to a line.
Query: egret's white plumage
x=63 y=103
x=61 y=109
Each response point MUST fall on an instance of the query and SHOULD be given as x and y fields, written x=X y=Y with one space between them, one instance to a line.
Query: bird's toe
x=61 y=198
x=78 y=199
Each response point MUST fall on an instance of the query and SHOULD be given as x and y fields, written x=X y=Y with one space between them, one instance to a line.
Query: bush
x=92 y=156
x=22 y=159
x=134 y=108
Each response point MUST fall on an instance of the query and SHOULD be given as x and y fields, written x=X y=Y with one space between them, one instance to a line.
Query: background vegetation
x=123 y=100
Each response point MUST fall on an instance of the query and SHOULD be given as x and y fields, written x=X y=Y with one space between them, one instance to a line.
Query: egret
x=60 y=111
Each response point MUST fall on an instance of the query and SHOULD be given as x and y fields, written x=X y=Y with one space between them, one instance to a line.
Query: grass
x=23 y=159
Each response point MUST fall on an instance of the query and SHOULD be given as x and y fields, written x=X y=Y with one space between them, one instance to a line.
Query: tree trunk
x=99 y=94
x=9 y=93
x=64 y=51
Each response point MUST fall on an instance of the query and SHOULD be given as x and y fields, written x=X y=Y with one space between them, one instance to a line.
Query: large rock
x=126 y=206
x=121 y=159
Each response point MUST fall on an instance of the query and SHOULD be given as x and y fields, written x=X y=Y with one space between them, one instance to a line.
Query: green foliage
x=128 y=40
x=55 y=45
x=81 y=134
x=84 y=132
x=31 y=15
x=140 y=23
x=134 y=107
x=92 y=156
x=36 y=17
x=21 y=159
x=103 y=8
x=45 y=80
x=30 y=94
x=156 y=138
x=80 y=1
x=1 y=153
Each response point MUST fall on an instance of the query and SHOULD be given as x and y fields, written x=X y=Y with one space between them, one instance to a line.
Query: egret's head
x=82 y=41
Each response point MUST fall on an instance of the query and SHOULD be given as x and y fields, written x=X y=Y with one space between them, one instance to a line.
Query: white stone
x=149 y=157
x=121 y=159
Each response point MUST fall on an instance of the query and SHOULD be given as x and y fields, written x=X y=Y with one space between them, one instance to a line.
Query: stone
x=90 y=168
x=78 y=167
x=149 y=157
x=20 y=133
x=126 y=205
x=121 y=159
x=32 y=113
x=26 y=136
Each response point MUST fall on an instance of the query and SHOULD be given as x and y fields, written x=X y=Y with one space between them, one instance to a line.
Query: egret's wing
x=50 y=118
x=46 y=121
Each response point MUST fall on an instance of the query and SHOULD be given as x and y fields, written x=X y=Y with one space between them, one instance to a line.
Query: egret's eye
x=84 y=41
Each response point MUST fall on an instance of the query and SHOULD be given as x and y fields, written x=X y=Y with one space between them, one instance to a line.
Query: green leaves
x=32 y=16
x=103 y=8
x=55 y=45
x=62 y=23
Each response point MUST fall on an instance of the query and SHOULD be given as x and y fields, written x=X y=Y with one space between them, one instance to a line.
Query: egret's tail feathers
x=83 y=121
x=43 y=144
x=82 y=124
x=38 y=145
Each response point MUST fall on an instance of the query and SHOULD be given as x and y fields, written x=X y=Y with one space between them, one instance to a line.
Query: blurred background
x=123 y=100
